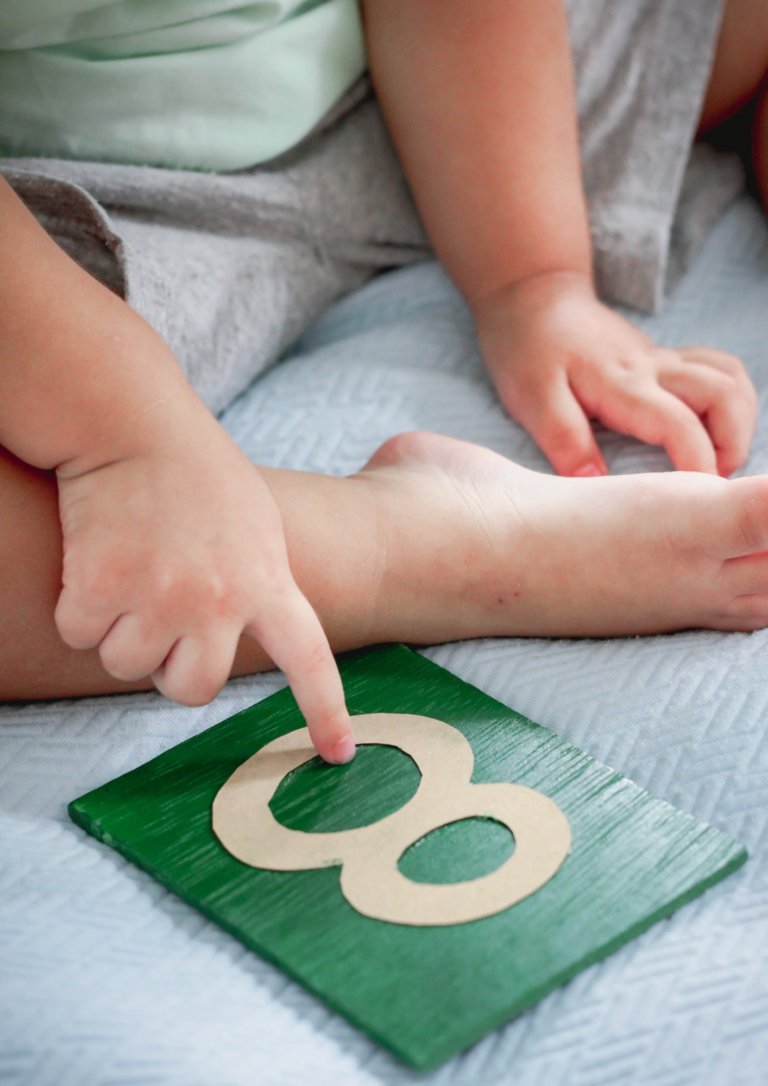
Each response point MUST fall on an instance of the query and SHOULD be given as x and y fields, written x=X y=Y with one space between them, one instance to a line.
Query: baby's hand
x=173 y=543
x=174 y=549
x=558 y=357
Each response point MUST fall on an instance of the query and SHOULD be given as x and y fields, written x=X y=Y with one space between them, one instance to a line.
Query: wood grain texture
x=424 y=993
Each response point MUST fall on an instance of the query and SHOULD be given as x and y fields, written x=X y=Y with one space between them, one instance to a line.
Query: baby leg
x=739 y=77
x=437 y=540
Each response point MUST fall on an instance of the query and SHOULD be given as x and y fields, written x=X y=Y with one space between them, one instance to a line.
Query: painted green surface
x=319 y=798
x=461 y=850
x=424 y=993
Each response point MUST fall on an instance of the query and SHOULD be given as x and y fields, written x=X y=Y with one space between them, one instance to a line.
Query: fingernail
x=344 y=751
x=588 y=471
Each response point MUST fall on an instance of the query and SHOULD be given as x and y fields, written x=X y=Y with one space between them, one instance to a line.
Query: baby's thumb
x=557 y=423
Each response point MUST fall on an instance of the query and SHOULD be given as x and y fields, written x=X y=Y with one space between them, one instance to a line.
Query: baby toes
x=735 y=518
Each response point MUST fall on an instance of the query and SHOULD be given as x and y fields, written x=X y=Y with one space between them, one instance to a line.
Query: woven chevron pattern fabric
x=106 y=979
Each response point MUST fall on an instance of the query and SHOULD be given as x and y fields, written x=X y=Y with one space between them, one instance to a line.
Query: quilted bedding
x=106 y=979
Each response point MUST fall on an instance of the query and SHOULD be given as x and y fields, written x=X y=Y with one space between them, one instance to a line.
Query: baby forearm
x=480 y=101
x=170 y=544
x=80 y=372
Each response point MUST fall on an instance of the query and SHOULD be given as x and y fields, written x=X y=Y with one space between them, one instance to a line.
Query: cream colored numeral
x=370 y=879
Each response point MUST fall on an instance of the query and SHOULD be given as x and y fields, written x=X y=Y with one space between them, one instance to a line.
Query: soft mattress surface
x=107 y=979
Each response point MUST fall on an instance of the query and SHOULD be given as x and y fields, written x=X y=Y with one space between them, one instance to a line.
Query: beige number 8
x=370 y=879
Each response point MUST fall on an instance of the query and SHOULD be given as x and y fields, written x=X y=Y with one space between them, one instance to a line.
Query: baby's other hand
x=172 y=550
x=559 y=357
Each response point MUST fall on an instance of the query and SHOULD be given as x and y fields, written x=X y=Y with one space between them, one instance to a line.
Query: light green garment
x=200 y=84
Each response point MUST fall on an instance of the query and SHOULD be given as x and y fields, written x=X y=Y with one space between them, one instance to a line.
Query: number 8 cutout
x=370 y=879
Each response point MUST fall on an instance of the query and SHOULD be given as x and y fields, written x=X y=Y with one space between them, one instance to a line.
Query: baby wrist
x=538 y=285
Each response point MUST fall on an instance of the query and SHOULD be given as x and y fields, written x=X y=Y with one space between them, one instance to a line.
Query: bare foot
x=437 y=540
x=478 y=546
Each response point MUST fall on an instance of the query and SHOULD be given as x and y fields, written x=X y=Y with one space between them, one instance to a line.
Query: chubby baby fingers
x=651 y=413
x=718 y=389
x=728 y=364
x=290 y=631
x=132 y=650
x=558 y=424
x=81 y=622
x=197 y=666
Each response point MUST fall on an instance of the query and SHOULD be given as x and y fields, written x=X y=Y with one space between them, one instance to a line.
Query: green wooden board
x=424 y=993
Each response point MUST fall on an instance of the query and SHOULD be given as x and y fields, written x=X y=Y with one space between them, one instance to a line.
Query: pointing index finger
x=292 y=635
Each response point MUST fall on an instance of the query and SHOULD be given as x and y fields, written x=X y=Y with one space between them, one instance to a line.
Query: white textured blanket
x=106 y=979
